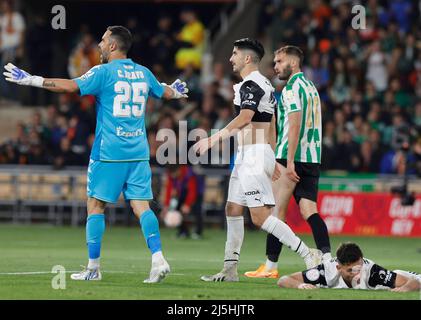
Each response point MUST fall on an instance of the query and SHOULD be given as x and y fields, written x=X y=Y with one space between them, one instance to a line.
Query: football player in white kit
x=351 y=270
x=251 y=179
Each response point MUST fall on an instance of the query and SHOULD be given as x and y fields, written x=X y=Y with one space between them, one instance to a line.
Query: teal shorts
x=106 y=180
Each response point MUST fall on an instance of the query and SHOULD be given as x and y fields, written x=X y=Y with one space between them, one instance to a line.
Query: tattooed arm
x=23 y=78
x=60 y=85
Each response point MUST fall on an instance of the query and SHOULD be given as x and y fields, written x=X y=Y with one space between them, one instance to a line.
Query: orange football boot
x=262 y=273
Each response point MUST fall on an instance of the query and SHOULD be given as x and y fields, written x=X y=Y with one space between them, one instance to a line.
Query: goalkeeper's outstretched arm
x=70 y=86
x=21 y=77
x=60 y=85
x=177 y=90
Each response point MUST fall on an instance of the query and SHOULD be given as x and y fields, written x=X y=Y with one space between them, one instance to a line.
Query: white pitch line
x=25 y=273
x=49 y=272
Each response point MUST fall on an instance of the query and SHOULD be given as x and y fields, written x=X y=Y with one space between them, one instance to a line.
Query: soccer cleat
x=158 y=272
x=227 y=274
x=261 y=272
x=313 y=258
x=87 y=274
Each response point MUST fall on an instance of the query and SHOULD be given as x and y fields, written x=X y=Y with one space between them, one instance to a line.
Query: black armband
x=315 y=276
x=380 y=276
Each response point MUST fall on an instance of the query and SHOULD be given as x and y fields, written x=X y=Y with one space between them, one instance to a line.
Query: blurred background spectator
x=190 y=40
x=12 y=31
x=184 y=192
x=84 y=56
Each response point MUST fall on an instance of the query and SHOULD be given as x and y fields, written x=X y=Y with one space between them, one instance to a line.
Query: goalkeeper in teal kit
x=119 y=159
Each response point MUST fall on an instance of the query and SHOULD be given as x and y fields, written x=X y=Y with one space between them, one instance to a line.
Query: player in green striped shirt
x=299 y=96
x=298 y=154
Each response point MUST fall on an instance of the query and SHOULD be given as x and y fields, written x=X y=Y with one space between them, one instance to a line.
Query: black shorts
x=308 y=186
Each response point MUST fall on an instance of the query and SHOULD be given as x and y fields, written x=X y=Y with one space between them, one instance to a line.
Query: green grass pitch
x=34 y=250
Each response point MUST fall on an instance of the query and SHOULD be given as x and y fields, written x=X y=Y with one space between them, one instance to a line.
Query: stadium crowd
x=369 y=81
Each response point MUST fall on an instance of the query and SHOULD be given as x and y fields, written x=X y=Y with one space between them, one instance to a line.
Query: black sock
x=320 y=233
x=273 y=247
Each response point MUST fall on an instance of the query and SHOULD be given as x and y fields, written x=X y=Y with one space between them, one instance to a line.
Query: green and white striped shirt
x=300 y=94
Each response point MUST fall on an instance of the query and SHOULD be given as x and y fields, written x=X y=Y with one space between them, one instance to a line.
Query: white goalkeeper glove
x=179 y=89
x=21 y=77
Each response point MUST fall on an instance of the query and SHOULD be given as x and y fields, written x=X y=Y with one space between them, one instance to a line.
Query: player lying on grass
x=351 y=270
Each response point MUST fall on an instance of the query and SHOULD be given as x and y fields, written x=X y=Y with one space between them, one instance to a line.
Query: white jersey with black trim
x=255 y=92
x=372 y=276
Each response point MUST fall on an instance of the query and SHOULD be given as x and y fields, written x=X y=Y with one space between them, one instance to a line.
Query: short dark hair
x=122 y=36
x=251 y=44
x=348 y=253
x=294 y=51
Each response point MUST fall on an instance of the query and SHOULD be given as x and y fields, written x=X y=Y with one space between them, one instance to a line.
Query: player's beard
x=285 y=74
x=237 y=68
x=103 y=57
x=234 y=68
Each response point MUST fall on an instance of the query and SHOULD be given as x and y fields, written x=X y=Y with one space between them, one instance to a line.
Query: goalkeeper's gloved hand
x=21 y=77
x=179 y=89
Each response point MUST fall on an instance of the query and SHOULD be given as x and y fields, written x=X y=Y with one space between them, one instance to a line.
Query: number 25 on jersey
x=129 y=99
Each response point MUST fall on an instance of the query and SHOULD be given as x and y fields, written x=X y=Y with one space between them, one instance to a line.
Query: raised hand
x=180 y=89
x=21 y=77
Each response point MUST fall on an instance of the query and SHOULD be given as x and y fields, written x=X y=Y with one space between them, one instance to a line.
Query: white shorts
x=251 y=179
